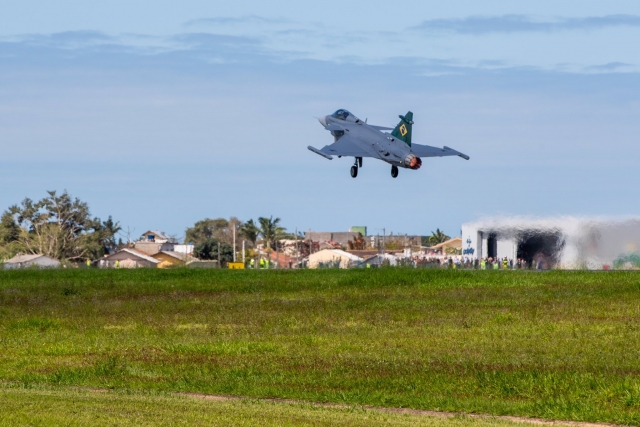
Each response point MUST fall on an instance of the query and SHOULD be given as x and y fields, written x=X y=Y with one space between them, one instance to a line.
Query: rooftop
x=177 y=255
x=23 y=258
x=159 y=234
x=135 y=253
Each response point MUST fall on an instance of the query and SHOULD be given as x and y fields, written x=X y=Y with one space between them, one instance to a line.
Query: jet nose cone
x=323 y=120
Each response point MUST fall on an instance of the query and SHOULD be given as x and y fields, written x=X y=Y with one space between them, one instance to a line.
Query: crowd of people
x=467 y=263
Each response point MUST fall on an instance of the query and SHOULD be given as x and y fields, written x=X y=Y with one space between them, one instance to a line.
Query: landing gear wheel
x=394 y=171
x=354 y=171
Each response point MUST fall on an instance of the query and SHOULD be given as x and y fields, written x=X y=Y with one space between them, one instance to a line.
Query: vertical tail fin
x=403 y=130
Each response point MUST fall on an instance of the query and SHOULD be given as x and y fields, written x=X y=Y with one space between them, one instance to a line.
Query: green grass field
x=557 y=345
x=55 y=408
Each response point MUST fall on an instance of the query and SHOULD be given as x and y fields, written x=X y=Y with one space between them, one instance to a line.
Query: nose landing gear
x=394 y=171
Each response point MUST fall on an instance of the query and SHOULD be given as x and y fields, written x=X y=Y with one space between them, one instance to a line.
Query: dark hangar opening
x=540 y=250
x=492 y=246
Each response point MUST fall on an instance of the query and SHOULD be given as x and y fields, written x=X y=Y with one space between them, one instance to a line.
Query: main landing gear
x=394 y=171
x=354 y=168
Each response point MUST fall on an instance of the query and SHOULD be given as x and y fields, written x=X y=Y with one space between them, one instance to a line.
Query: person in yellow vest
x=117 y=263
x=496 y=264
x=267 y=262
x=483 y=264
x=251 y=263
x=262 y=263
x=505 y=264
x=88 y=263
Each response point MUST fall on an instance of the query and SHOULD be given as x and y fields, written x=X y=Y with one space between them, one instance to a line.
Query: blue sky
x=162 y=114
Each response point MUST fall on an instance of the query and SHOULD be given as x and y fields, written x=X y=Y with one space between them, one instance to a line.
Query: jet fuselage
x=355 y=138
x=385 y=146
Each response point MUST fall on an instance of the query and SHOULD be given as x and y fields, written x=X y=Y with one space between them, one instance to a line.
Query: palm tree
x=437 y=237
x=250 y=230
x=270 y=229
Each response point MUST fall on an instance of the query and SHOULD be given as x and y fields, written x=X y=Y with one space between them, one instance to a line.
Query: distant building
x=155 y=236
x=359 y=229
x=333 y=257
x=382 y=259
x=184 y=249
x=128 y=258
x=558 y=242
x=151 y=242
x=398 y=240
x=329 y=245
x=152 y=248
x=172 y=259
x=26 y=261
x=455 y=243
x=340 y=237
x=281 y=260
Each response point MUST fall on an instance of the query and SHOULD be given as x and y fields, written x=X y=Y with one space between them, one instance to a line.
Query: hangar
x=556 y=242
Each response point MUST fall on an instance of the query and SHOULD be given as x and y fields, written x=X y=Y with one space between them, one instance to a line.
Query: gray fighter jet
x=355 y=138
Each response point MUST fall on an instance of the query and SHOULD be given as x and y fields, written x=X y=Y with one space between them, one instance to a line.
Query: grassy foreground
x=45 y=408
x=560 y=345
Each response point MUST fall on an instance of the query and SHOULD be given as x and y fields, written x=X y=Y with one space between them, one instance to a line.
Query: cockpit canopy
x=341 y=114
x=344 y=115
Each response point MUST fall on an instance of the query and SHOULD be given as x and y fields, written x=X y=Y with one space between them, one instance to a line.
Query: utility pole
x=243 y=260
x=234 y=242
x=381 y=248
x=297 y=249
x=384 y=245
x=277 y=258
x=128 y=235
x=219 y=265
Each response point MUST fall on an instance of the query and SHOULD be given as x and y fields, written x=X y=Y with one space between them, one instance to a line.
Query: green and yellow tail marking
x=403 y=130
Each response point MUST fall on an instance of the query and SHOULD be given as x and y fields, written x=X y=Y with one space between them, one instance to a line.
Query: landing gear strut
x=394 y=171
x=354 y=168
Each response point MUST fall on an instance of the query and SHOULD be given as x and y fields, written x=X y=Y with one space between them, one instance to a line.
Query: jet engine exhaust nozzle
x=413 y=162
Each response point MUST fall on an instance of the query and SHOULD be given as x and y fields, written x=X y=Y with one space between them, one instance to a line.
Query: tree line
x=62 y=227
x=57 y=226
x=210 y=234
